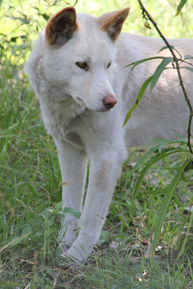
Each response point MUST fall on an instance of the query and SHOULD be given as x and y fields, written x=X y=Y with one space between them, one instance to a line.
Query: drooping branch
x=176 y=61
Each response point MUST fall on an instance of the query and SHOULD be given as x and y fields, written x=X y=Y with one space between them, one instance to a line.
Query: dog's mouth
x=102 y=109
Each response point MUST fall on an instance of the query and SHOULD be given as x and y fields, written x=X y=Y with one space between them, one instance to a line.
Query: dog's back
x=163 y=112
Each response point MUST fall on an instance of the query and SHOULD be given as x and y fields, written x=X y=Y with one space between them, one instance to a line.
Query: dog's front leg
x=73 y=166
x=102 y=180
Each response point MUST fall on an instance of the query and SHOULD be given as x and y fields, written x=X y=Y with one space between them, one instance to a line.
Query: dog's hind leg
x=73 y=167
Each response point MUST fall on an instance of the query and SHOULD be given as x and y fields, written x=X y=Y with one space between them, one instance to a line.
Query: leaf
x=159 y=70
x=72 y=212
x=138 y=99
x=180 y=6
x=23 y=20
x=45 y=16
x=180 y=140
x=189 y=167
x=186 y=67
x=188 y=57
x=164 y=206
x=58 y=206
x=1 y=2
x=26 y=230
x=135 y=63
x=165 y=47
x=46 y=213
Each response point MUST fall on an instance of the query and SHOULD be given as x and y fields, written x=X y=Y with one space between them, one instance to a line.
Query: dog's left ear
x=61 y=26
x=112 y=22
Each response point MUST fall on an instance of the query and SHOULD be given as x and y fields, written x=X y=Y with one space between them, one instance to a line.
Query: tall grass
x=30 y=183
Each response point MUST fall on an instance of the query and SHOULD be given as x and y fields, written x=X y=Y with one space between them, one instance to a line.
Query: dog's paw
x=66 y=260
x=79 y=250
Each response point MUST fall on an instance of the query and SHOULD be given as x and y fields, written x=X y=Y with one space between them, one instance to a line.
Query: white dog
x=78 y=70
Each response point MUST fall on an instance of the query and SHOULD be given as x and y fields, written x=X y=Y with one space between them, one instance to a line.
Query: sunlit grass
x=30 y=185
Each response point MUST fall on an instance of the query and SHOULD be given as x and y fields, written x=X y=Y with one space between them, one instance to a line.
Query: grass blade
x=152 y=161
x=14 y=242
x=164 y=206
x=188 y=232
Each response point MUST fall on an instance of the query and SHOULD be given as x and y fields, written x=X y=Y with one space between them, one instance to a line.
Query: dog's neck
x=59 y=110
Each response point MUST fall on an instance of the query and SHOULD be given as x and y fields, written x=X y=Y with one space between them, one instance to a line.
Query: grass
x=30 y=202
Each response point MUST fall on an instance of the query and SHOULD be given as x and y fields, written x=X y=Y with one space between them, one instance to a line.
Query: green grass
x=30 y=200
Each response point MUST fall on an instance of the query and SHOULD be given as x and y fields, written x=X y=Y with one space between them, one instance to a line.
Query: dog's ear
x=61 y=26
x=112 y=22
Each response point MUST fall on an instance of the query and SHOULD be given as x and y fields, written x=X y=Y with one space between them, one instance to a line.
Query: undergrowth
x=30 y=204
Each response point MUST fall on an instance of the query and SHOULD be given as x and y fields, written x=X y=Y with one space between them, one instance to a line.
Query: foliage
x=180 y=6
x=145 y=211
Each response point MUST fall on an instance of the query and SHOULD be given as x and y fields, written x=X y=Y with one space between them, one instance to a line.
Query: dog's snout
x=109 y=101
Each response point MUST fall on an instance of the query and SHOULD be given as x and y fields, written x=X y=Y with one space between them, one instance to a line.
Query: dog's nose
x=109 y=101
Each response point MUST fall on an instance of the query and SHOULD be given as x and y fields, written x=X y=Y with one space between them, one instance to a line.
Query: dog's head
x=80 y=55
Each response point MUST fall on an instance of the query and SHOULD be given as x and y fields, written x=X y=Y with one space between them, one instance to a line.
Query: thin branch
x=147 y=16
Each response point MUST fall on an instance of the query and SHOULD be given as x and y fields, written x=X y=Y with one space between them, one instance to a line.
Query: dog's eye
x=83 y=65
x=109 y=64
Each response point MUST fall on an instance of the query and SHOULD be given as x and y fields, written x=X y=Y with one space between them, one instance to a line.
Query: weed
x=30 y=195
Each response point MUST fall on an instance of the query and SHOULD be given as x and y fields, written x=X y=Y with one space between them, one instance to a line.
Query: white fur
x=71 y=102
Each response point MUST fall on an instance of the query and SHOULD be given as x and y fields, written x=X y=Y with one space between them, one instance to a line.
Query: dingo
x=78 y=72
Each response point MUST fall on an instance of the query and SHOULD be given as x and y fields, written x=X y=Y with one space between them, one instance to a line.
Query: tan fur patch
x=64 y=20
x=112 y=22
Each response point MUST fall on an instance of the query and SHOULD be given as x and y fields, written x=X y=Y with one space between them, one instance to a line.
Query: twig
x=147 y=16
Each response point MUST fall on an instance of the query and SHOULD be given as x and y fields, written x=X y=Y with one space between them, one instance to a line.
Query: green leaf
x=162 y=142
x=46 y=213
x=165 y=47
x=159 y=70
x=45 y=16
x=186 y=67
x=26 y=230
x=138 y=99
x=180 y=6
x=189 y=167
x=58 y=206
x=23 y=20
x=172 y=48
x=188 y=57
x=1 y=2
x=135 y=63
x=164 y=206
x=72 y=212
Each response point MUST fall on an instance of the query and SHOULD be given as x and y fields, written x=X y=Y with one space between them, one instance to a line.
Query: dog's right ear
x=61 y=26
